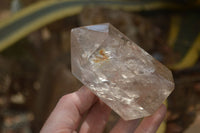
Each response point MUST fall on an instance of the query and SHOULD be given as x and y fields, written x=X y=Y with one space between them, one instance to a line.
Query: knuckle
x=65 y=98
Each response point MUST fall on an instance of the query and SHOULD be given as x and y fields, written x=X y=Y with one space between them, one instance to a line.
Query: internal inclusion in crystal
x=118 y=71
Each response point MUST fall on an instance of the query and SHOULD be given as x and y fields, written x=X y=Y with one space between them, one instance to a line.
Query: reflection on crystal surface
x=118 y=71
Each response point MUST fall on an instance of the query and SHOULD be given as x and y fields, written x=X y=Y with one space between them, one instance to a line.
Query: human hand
x=70 y=109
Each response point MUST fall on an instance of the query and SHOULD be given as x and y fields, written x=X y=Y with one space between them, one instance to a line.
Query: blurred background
x=35 y=54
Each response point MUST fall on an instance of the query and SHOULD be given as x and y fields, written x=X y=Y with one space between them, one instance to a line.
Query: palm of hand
x=68 y=113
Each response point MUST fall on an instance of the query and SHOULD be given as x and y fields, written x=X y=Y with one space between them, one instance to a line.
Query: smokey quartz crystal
x=118 y=71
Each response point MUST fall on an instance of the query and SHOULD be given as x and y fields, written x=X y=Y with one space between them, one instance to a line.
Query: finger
x=97 y=118
x=68 y=112
x=150 y=124
x=125 y=126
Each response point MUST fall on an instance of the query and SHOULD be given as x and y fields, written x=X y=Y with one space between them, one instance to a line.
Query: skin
x=69 y=111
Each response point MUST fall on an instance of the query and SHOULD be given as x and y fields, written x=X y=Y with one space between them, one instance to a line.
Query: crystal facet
x=118 y=71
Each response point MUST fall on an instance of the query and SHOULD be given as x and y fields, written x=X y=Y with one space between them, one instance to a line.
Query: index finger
x=69 y=110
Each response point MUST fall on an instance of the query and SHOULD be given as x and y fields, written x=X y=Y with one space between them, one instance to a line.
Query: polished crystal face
x=118 y=71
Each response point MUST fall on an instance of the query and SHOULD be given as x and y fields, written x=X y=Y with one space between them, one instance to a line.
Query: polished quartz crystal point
x=118 y=71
